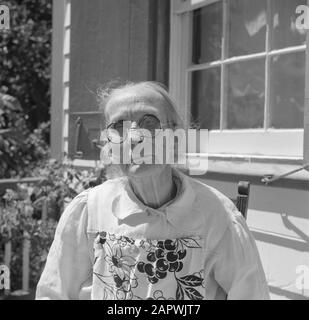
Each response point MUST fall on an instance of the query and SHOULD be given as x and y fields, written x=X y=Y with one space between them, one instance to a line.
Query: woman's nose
x=136 y=135
x=134 y=125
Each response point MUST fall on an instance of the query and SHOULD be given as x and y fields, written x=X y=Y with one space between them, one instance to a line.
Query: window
x=241 y=73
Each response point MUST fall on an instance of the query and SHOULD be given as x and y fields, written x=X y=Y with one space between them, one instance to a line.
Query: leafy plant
x=20 y=149
x=25 y=57
x=25 y=68
x=21 y=211
x=59 y=184
x=17 y=224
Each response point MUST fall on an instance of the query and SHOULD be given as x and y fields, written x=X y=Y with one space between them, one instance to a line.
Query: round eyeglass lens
x=151 y=124
x=115 y=132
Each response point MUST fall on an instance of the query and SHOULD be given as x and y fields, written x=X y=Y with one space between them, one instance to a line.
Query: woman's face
x=131 y=105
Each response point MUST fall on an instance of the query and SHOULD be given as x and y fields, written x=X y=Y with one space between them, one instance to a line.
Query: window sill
x=259 y=143
x=234 y=168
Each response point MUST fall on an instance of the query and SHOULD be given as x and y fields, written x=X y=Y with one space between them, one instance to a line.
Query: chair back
x=242 y=199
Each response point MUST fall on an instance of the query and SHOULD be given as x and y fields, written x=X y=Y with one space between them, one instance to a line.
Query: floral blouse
x=109 y=245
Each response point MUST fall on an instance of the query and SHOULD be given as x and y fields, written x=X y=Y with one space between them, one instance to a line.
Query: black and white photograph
x=154 y=150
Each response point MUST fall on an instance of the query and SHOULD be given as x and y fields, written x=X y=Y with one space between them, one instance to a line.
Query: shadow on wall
x=293 y=202
x=287 y=294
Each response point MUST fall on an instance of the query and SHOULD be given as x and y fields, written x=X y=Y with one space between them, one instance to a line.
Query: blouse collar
x=177 y=210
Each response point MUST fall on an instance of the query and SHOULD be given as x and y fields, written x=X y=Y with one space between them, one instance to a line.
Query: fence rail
x=25 y=263
x=26 y=245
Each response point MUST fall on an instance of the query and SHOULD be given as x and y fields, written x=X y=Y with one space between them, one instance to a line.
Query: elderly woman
x=152 y=232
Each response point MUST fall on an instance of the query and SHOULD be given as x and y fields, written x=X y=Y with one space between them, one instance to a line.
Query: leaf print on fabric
x=191 y=280
x=193 y=294
x=200 y=275
x=179 y=292
x=190 y=243
x=187 y=284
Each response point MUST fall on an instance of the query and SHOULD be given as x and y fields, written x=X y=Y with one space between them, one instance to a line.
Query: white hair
x=105 y=94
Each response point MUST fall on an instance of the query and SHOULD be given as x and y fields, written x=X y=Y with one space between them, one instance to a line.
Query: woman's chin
x=143 y=169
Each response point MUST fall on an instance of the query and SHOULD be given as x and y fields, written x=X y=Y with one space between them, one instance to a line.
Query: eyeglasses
x=147 y=125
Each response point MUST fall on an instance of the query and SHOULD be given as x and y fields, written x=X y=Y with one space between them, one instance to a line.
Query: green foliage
x=25 y=68
x=20 y=149
x=59 y=184
x=21 y=211
x=17 y=224
x=25 y=57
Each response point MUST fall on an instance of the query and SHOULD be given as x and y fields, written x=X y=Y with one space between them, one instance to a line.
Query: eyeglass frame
x=161 y=126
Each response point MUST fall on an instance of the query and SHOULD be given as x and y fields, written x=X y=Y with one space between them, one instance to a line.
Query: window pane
x=205 y=102
x=285 y=33
x=247 y=27
x=207 y=33
x=245 y=97
x=287 y=90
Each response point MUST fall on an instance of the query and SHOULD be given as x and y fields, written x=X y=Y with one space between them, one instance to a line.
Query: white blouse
x=109 y=245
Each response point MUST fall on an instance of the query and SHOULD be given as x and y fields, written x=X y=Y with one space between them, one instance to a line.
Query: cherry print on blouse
x=162 y=257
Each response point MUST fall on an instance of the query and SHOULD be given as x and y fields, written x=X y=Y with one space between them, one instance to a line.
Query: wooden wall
x=112 y=40
x=278 y=219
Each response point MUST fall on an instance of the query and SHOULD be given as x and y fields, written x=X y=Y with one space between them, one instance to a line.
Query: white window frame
x=266 y=142
x=60 y=83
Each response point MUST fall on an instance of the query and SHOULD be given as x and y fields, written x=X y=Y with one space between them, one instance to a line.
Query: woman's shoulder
x=74 y=213
x=106 y=190
x=218 y=210
x=109 y=185
x=79 y=201
x=210 y=195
